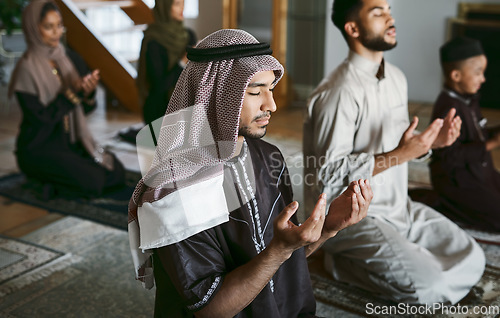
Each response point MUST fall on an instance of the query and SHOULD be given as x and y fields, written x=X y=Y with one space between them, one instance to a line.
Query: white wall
x=335 y=45
x=421 y=27
x=209 y=19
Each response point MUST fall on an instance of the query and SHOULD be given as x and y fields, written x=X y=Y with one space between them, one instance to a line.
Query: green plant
x=10 y=14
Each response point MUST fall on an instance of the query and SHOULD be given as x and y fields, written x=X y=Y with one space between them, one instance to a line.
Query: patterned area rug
x=98 y=283
x=355 y=302
x=485 y=237
x=22 y=263
x=484 y=296
x=111 y=209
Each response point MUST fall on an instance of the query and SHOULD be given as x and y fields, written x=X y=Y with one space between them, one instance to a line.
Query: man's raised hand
x=413 y=145
x=349 y=208
x=450 y=131
x=289 y=237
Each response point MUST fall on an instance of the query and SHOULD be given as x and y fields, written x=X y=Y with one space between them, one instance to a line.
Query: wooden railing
x=137 y=10
x=117 y=74
x=230 y=12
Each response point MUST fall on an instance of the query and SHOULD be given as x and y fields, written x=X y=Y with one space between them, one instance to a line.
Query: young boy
x=463 y=174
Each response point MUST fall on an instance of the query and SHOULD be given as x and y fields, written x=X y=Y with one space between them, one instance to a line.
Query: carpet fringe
x=44 y=271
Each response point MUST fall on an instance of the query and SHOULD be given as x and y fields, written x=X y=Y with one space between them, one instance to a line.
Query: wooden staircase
x=116 y=69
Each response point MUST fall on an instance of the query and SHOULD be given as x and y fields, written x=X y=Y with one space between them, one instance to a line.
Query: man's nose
x=391 y=20
x=269 y=103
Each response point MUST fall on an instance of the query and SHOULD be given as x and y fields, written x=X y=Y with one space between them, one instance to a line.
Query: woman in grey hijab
x=54 y=145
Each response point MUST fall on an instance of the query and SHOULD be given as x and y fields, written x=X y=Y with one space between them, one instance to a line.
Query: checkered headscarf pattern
x=216 y=90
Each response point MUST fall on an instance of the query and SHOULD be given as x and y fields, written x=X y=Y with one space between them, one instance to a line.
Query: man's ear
x=351 y=28
x=456 y=76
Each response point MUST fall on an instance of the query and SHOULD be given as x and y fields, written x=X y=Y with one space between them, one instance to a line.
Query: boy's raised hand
x=494 y=142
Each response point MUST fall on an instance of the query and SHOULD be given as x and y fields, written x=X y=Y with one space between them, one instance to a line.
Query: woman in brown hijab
x=54 y=144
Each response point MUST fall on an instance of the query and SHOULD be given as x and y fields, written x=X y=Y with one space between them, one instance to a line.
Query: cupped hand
x=493 y=143
x=414 y=145
x=89 y=82
x=450 y=131
x=289 y=237
x=349 y=208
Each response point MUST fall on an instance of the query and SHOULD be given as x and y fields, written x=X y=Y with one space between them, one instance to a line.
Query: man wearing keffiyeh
x=213 y=214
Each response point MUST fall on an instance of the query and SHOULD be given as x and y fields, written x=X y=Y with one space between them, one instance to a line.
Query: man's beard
x=375 y=42
x=245 y=132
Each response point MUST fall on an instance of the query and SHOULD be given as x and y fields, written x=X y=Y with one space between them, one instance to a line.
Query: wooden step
x=137 y=10
x=83 y=5
x=117 y=74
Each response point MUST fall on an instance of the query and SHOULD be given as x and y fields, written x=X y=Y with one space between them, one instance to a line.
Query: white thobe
x=403 y=250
